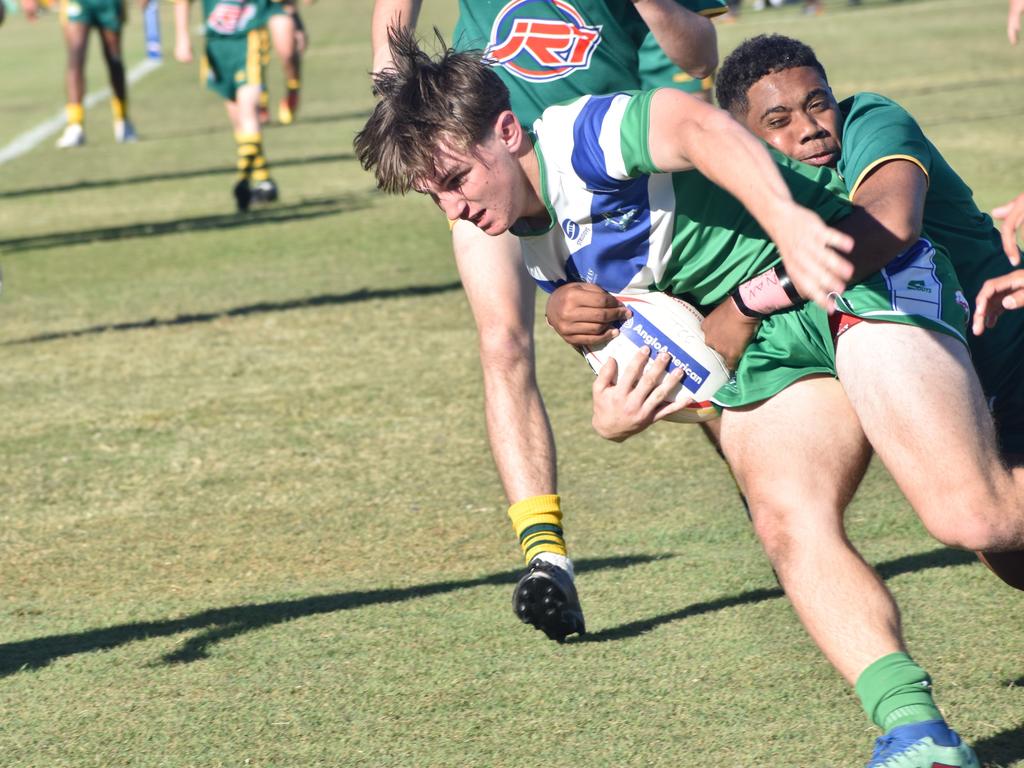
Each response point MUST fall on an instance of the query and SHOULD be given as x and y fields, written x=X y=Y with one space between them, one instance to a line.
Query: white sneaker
x=124 y=132
x=73 y=136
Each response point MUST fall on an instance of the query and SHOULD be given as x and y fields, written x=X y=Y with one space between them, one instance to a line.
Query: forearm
x=687 y=38
x=520 y=435
x=727 y=154
x=875 y=245
x=386 y=14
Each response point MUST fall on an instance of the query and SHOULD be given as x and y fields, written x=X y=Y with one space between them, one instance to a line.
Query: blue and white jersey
x=620 y=223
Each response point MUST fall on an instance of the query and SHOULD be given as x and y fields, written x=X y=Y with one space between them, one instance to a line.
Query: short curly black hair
x=752 y=60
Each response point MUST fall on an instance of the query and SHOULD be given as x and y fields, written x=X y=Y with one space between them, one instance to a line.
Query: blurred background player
x=77 y=18
x=233 y=66
x=289 y=39
x=604 y=38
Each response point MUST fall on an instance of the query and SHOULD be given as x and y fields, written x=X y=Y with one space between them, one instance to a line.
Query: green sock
x=895 y=691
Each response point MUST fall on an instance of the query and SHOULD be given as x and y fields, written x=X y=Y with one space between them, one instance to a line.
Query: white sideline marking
x=34 y=136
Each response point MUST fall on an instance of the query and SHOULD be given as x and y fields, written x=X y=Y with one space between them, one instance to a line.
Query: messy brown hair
x=452 y=100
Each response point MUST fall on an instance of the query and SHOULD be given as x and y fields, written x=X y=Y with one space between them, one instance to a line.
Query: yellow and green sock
x=537 y=522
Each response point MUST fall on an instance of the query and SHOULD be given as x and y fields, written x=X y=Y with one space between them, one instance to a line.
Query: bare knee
x=967 y=528
x=505 y=348
x=793 y=528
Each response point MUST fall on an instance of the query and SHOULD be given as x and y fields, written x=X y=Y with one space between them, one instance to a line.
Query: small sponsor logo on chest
x=576 y=235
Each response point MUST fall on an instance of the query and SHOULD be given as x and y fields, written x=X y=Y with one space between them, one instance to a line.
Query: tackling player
x=595 y=201
x=777 y=88
x=544 y=54
x=233 y=67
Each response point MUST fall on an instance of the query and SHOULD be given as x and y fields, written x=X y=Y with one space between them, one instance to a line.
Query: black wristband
x=741 y=305
x=787 y=285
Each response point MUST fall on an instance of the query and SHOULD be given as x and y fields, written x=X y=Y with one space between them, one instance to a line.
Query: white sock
x=560 y=561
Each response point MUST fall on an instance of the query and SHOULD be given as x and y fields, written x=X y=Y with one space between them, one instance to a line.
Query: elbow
x=702 y=60
x=906 y=233
x=700 y=71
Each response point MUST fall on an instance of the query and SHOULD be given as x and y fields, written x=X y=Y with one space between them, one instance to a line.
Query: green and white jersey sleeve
x=620 y=223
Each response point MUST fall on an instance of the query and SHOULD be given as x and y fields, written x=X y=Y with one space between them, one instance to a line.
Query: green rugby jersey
x=552 y=51
x=877 y=130
x=618 y=222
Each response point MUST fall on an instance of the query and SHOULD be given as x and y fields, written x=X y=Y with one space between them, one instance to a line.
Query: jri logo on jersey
x=541 y=40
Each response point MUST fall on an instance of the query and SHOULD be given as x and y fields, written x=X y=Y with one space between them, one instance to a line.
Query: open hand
x=628 y=402
x=997 y=295
x=814 y=255
x=1012 y=215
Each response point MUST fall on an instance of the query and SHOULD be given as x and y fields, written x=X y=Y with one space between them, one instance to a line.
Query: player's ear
x=509 y=130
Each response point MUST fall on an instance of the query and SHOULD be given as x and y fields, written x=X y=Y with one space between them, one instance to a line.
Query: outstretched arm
x=686 y=133
x=687 y=38
x=390 y=13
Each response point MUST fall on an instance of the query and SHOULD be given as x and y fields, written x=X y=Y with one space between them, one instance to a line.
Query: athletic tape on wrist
x=766 y=293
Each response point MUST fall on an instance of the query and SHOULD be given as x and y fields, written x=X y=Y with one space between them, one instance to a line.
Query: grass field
x=249 y=516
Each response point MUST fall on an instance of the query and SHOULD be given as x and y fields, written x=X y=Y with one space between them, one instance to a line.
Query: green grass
x=249 y=516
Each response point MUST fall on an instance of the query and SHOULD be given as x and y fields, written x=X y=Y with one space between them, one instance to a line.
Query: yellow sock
x=264 y=98
x=537 y=522
x=75 y=113
x=117 y=107
x=293 y=84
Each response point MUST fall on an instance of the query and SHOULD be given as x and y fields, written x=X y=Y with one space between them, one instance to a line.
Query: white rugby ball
x=663 y=322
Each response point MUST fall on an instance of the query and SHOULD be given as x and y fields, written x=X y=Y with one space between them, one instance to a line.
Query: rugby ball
x=663 y=322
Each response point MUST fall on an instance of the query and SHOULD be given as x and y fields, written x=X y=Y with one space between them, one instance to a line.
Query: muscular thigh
x=798 y=454
x=920 y=404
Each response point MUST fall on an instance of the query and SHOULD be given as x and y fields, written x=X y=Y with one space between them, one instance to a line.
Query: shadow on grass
x=304 y=210
x=1001 y=749
x=936 y=558
x=219 y=624
x=263 y=307
x=194 y=173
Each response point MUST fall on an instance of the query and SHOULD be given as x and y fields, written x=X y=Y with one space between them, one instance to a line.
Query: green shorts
x=232 y=62
x=918 y=288
x=658 y=71
x=106 y=14
x=277 y=8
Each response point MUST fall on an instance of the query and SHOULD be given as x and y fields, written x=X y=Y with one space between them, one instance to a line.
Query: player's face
x=480 y=188
x=795 y=112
